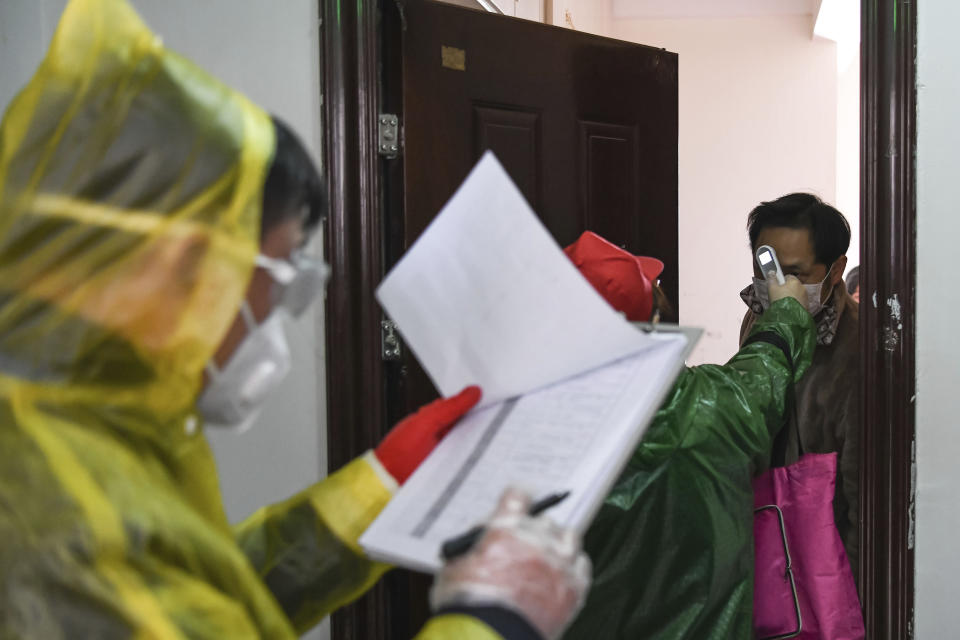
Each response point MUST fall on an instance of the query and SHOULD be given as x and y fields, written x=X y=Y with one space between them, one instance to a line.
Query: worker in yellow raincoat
x=150 y=221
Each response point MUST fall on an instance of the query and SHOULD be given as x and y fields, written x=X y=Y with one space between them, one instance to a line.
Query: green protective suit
x=672 y=546
x=130 y=192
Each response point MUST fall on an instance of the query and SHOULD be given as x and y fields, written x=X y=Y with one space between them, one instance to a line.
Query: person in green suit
x=672 y=545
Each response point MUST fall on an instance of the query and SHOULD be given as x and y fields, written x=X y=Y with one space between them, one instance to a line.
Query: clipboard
x=693 y=334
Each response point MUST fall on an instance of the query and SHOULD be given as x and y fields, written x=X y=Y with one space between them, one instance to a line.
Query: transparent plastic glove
x=411 y=441
x=792 y=288
x=528 y=565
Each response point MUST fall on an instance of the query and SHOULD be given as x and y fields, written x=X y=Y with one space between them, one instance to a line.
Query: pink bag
x=803 y=586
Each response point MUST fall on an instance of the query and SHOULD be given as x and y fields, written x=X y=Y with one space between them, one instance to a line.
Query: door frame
x=349 y=61
x=887 y=337
x=351 y=49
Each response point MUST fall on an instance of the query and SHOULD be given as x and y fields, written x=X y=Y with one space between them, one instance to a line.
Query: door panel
x=609 y=160
x=514 y=135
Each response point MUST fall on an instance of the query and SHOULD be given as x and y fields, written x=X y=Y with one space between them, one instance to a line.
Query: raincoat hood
x=130 y=194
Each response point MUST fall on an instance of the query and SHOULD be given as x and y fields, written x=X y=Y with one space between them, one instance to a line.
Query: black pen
x=464 y=542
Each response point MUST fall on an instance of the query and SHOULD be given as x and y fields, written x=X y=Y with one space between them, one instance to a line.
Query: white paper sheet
x=485 y=296
x=573 y=436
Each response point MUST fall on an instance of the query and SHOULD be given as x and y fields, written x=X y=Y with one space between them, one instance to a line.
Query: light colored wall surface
x=848 y=145
x=526 y=9
x=588 y=16
x=654 y=9
x=470 y=4
x=758 y=119
x=938 y=307
x=268 y=50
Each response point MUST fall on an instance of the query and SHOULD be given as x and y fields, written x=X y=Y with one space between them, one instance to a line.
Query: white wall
x=270 y=51
x=839 y=20
x=526 y=9
x=848 y=143
x=938 y=307
x=758 y=119
x=588 y=16
x=657 y=9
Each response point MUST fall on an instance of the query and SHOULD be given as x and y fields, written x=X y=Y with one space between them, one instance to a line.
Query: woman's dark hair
x=853 y=280
x=662 y=305
x=293 y=187
x=829 y=230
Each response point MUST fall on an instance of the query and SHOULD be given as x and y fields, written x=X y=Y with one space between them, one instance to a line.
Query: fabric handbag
x=803 y=584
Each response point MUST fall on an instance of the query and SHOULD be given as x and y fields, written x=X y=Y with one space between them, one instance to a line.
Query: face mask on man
x=814 y=292
x=235 y=395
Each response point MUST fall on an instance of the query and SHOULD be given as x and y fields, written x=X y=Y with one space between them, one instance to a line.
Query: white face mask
x=235 y=394
x=814 y=293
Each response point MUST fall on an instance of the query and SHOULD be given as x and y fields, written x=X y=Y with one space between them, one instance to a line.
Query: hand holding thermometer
x=767 y=259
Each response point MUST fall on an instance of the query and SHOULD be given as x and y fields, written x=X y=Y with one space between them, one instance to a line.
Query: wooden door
x=586 y=126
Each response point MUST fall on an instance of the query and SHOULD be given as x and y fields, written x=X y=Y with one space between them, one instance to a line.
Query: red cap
x=623 y=279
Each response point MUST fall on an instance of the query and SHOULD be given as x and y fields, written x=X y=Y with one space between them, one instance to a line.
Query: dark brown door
x=586 y=126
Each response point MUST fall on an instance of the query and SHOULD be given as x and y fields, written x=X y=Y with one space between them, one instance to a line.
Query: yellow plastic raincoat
x=130 y=191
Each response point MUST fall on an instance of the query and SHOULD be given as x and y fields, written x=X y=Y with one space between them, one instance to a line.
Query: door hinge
x=388 y=141
x=390 y=349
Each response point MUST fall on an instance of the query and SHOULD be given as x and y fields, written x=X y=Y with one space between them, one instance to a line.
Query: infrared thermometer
x=767 y=259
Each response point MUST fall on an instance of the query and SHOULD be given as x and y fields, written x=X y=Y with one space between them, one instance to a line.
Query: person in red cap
x=672 y=545
x=627 y=282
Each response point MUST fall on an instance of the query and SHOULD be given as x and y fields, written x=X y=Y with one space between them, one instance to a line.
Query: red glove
x=411 y=441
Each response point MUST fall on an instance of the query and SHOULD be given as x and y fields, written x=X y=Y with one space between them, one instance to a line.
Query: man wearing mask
x=150 y=226
x=811 y=239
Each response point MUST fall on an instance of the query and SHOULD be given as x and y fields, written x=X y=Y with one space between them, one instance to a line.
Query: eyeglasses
x=297 y=280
